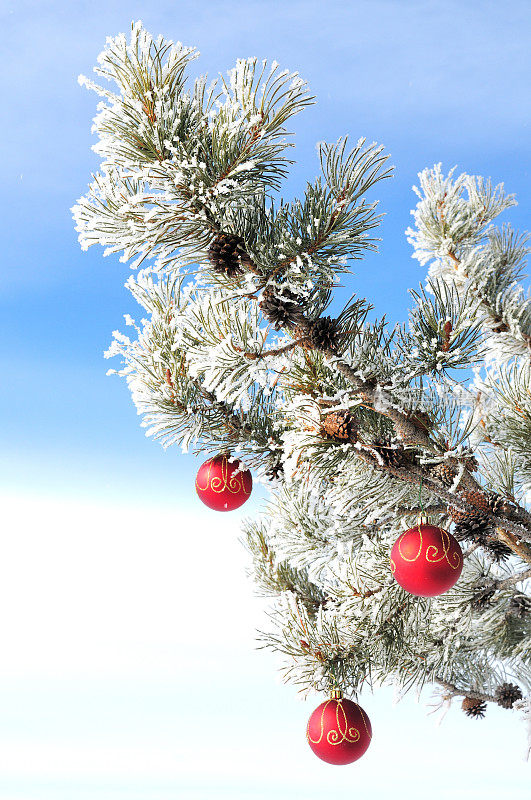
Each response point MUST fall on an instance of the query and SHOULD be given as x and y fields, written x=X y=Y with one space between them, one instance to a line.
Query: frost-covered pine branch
x=353 y=426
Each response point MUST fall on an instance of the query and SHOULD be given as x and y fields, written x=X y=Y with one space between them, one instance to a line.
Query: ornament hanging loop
x=335 y=691
x=422 y=518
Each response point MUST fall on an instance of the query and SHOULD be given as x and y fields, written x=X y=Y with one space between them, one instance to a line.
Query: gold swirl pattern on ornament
x=434 y=554
x=363 y=715
x=454 y=560
x=419 y=551
x=235 y=484
x=393 y=567
x=343 y=733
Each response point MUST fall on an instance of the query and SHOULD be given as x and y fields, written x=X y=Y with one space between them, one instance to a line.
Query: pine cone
x=473 y=524
x=507 y=694
x=478 y=499
x=473 y=707
x=498 y=504
x=519 y=606
x=481 y=599
x=225 y=254
x=393 y=455
x=303 y=332
x=444 y=472
x=474 y=527
x=471 y=463
x=325 y=334
x=281 y=307
x=498 y=550
x=456 y=515
x=340 y=426
x=274 y=472
x=498 y=325
x=479 y=528
x=422 y=420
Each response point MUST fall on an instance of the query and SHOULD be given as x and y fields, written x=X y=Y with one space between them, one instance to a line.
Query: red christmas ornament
x=339 y=731
x=222 y=484
x=426 y=560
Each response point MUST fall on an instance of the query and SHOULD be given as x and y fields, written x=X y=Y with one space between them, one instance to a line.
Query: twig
x=453 y=691
x=513 y=579
x=265 y=353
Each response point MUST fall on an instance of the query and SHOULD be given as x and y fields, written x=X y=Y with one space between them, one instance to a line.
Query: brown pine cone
x=507 y=694
x=473 y=707
x=519 y=606
x=325 y=334
x=443 y=472
x=391 y=453
x=303 y=332
x=499 y=505
x=458 y=516
x=446 y=472
x=475 y=527
x=481 y=600
x=340 y=426
x=281 y=307
x=477 y=499
x=473 y=521
x=225 y=254
x=499 y=551
x=274 y=472
x=471 y=463
x=422 y=420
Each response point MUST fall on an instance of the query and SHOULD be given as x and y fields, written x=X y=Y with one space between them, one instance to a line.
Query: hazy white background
x=129 y=670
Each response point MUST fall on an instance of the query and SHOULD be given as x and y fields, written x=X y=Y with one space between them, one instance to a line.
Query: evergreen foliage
x=344 y=419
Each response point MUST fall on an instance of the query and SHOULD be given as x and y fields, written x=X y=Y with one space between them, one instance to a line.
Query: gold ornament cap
x=336 y=694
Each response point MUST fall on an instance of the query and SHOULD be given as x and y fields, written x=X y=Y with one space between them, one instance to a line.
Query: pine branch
x=515 y=533
x=522 y=576
x=454 y=691
x=413 y=435
x=278 y=351
x=350 y=421
x=496 y=322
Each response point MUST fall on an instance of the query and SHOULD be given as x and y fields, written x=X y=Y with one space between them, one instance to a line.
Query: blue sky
x=433 y=81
